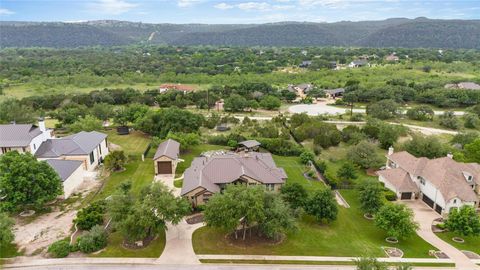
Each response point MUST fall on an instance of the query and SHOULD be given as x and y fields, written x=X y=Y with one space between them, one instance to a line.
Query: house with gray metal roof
x=70 y=172
x=211 y=173
x=88 y=147
x=166 y=157
x=23 y=137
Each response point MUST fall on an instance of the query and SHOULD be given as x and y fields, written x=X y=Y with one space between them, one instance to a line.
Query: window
x=206 y=197
x=270 y=187
x=470 y=178
x=34 y=147
x=454 y=200
x=100 y=148
x=92 y=158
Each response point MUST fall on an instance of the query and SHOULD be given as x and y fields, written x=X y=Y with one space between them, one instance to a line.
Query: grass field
x=472 y=243
x=192 y=153
x=349 y=235
x=295 y=170
x=436 y=265
x=116 y=249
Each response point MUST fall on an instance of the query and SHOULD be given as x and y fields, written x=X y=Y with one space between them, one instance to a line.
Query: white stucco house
x=71 y=173
x=23 y=137
x=441 y=183
x=88 y=147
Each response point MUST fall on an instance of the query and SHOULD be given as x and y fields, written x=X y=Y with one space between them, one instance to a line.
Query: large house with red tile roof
x=441 y=183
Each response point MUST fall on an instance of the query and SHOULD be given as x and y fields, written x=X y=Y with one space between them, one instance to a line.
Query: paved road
x=425 y=216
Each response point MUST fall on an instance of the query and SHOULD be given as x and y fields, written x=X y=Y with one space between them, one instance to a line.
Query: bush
x=90 y=216
x=421 y=113
x=281 y=147
x=306 y=156
x=449 y=120
x=59 y=249
x=92 y=241
x=390 y=196
x=115 y=160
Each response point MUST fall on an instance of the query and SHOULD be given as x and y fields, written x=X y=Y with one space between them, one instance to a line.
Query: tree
x=102 y=111
x=115 y=160
x=449 y=120
x=93 y=240
x=277 y=218
x=294 y=194
x=24 y=181
x=237 y=205
x=270 y=102
x=425 y=146
x=160 y=123
x=471 y=120
x=12 y=110
x=396 y=220
x=464 y=221
x=70 y=113
x=364 y=154
x=6 y=234
x=465 y=138
x=322 y=205
x=388 y=135
x=186 y=140
x=472 y=151
x=364 y=263
x=421 y=113
x=87 y=123
x=306 y=156
x=383 y=109
x=235 y=103
x=90 y=216
x=148 y=215
x=370 y=195
x=347 y=172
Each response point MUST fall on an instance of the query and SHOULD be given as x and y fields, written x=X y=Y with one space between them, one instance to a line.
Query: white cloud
x=325 y=3
x=187 y=3
x=223 y=6
x=254 y=6
x=4 y=11
x=114 y=7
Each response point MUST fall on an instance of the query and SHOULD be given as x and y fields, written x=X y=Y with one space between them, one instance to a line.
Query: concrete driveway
x=168 y=179
x=425 y=216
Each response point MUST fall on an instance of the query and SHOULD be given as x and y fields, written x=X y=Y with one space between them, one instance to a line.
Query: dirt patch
x=393 y=252
x=371 y=172
x=471 y=255
x=140 y=244
x=251 y=240
x=441 y=255
x=195 y=219
x=114 y=147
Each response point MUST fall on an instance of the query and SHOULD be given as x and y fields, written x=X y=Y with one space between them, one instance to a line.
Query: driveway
x=425 y=216
x=168 y=179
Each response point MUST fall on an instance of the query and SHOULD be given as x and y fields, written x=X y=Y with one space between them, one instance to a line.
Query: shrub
x=90 y=216
x=449 y=120
x=115 y=161
x=281 y=147
x=306 y=156
x=421 y=113
x=59 y=249
x=92 y=241
x=390 y=196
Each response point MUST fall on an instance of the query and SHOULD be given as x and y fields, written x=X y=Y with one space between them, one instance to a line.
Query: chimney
x=390 y=150
x=41 y=124
x=450 y=155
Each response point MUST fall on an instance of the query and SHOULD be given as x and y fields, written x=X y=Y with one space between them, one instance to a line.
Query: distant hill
x=398 y=32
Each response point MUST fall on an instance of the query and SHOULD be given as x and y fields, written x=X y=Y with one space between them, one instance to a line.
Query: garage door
x=438 y=209
x=427 y=200
x=164 y=167
x=406 y=196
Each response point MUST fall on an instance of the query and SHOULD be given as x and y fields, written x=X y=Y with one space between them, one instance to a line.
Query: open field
x=295 y=170
x=350 y=235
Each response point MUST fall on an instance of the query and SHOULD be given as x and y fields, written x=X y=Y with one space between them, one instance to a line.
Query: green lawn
x=295 y=170
x=178 y=183
x=134 y=143
x=349 y=235
x=194 y=152
x=9 y=251
x=472 y=243
x=116 y=249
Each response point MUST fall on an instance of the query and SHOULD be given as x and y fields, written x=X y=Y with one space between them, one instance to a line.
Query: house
x=392 y=58
x=88 y=147
x=334 y=93
x=300 y=90
x=441 y=183
x=305 y=64
x=463 y=85
x=359 y=63
x=70 y=172
x=249 y=145
x=219 y=104
x=166 y=157
x=177 y=87
x=23 y=137
x=211 y=172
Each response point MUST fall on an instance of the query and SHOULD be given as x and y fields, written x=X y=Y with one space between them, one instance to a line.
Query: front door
x=164 y=167
x=406 y=196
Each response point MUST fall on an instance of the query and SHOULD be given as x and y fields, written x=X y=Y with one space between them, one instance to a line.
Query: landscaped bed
x=350 y=235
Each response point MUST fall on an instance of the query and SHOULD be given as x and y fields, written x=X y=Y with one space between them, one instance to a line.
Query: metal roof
x=82 y=143
x=169 y=148
x=17 y=135
x=64 y=168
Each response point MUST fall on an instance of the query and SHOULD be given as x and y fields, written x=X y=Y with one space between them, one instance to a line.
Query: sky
x=234 y=11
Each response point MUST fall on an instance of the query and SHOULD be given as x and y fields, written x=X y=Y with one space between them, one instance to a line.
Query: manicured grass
x=472 y=243
x=116 y=249
x=194 y=152
x=313 y=262
x=349 y=235
x=134 y=143
x=295 y=170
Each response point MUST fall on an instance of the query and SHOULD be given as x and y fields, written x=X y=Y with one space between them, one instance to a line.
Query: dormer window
x=422 y=180
x=468 y=177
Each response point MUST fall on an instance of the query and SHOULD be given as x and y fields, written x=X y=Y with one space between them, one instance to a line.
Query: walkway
x=425 y=216
x=179 y=248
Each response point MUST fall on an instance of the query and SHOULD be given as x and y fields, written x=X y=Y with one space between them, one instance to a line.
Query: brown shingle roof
x=444 y=173
x=400 y=179
x=209 y=172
